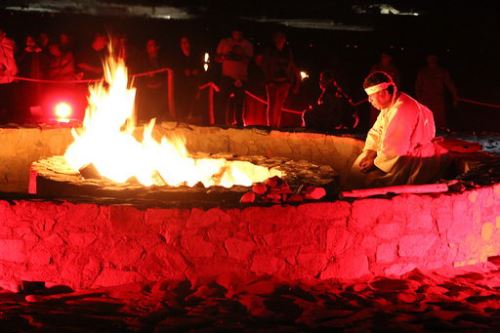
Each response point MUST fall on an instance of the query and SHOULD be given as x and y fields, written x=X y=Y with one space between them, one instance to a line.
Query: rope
x=355 y=104
x=27 y=79
x=166 y=69
x=257 y=98
x=470 y=101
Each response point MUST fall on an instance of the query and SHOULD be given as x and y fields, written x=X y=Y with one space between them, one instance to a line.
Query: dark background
x=465 y=36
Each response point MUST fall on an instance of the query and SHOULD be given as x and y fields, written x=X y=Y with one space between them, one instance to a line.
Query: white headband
x=378 y=87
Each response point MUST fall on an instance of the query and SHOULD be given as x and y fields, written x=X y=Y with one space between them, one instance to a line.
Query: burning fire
x=107 y=141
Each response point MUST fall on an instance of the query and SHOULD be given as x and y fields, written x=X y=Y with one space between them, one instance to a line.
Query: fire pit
x=91 y=242
x=52 y=177
x=107 y=159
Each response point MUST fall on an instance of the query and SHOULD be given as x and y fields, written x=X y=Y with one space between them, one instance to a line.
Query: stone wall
x=89 y=245
x=20 y=147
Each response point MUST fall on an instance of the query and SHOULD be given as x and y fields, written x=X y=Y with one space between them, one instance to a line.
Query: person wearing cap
x=399 y=148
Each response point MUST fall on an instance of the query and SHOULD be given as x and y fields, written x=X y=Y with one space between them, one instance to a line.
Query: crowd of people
x=399 y=148
x=236 y=67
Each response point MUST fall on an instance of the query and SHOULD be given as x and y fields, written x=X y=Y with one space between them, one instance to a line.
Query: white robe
x=403 y=137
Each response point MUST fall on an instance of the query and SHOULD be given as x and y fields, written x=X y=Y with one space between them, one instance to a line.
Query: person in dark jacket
x=281 y=75
x=333 y=108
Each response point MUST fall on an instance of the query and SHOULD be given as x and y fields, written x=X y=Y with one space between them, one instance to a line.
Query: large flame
x=106 y=140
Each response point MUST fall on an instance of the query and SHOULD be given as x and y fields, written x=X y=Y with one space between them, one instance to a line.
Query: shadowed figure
x=433 y=81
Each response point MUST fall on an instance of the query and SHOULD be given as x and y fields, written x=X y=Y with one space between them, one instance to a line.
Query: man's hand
x=368 y=162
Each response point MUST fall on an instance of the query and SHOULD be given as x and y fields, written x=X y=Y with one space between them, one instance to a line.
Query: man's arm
x=395 y=140
x=89 y=68
x=368 y=162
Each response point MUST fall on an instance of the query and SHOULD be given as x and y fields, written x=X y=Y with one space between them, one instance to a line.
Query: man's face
x=237 y=35
x=380 y=100
x=100 y=42
x=185 y=45
x=152 y=47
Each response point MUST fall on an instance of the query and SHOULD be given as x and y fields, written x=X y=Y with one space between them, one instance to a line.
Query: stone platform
x=86 y=245
x=93 y=244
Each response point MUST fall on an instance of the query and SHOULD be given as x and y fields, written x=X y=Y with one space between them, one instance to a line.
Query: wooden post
x=211 y=114
x=212 y=87
x=170 y=93
x=368 y=192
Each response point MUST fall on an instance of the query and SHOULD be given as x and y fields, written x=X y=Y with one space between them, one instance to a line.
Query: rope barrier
x=257 y=98
x=470 y=101
x=166 y=69
x=20 y=78
x=27 y=79
x=356 y=104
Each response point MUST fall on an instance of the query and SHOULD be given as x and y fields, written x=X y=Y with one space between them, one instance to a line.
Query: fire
x=107 y=141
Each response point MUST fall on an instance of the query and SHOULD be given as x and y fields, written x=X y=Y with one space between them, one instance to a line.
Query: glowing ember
x=107 y=141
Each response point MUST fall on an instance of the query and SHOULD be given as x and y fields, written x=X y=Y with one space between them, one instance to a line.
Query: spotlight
x=63 y=112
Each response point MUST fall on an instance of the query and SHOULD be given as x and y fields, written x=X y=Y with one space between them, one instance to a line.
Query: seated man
x=399 y=148
x=333 y=108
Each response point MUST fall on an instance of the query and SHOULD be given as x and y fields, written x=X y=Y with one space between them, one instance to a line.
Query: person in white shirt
x=400 y=147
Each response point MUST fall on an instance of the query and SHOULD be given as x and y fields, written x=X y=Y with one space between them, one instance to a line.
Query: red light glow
x=63 y=112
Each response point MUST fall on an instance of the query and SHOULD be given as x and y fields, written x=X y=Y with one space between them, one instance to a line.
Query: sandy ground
x=466 y=301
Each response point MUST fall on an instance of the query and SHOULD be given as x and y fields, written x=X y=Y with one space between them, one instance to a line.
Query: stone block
x=388 y=231
x=202 y=219
x=265 y=264
x=113 y=277
x=310 y=265
x=416 y=245
x=5 y=232
x=239 y=249
x=348 y=267
x=12 y=250
x=127 y=220
x=386 y=253
x=339 y=241
x=442 y=212
x=369 y=243
x=124 y=253
x=39 y=256
x=365 y=213
x=197 y=246
x=338 y=210
x=81 y=239
x=399 y=269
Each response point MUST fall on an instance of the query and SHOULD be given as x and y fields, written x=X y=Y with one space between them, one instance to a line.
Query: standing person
x=152 y=88
x=281 y=75
x=8 y=70
x=65 y=42
x=61 y=64
x=31 y=62
x=399 y=148
x=90 y=60
x=431 y=85
x=385 y=64
x=234 y=53
x=332 y=108
x=188 y=70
